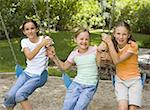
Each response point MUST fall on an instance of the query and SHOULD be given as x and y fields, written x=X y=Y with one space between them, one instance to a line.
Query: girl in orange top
x=124 y=53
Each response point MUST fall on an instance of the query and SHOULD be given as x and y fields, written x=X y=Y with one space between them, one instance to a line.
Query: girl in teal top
x=81 y=91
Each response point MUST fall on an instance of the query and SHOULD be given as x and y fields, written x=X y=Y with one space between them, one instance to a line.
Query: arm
x=62 y=65
x=114 y=55
x=31 y=54
x=102 y=47
x=103 y=54
x=52 y=55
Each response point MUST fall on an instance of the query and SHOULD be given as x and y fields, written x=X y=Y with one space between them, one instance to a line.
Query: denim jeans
x=78 y=96
x=24 y=86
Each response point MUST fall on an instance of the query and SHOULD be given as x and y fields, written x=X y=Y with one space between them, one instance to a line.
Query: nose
x=121 y=36
x=29 y=30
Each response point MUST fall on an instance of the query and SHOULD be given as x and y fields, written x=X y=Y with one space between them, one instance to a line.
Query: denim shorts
x=78 y=96
x=24 y=86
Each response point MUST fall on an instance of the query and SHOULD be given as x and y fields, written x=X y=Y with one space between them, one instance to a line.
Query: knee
x=81 y=106
x=9 y=97
x=132 y=107
x=20 y=96
x=43 y=78
x=9 y=100
x=123 y=107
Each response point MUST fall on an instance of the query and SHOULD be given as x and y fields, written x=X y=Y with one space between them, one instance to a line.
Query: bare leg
x=26 y=105
x=123 y=105
x=132 y=107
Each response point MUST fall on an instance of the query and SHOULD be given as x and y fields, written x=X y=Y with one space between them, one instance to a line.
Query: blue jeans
x=78 y=96
x=24 y=86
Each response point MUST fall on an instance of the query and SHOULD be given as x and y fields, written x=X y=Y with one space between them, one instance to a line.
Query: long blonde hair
x=80 y=30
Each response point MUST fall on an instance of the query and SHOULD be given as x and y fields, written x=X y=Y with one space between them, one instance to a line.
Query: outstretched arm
x=52 y=55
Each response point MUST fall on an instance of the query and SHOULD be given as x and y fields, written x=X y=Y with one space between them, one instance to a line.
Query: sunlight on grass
x=64 y=44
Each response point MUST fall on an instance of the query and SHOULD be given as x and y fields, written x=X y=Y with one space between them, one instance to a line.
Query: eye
x=86 y=39
x=32 y=28
x=118 y=33
x=125 y=34
x=27 y=29
x=81 y=39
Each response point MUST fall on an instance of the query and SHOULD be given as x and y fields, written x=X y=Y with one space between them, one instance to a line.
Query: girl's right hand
x=50 y=40
x=102 y=47
x=45 y=42
x=106 y=38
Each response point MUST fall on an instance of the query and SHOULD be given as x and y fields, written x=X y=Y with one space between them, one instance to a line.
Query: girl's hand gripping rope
x=51 y=42
x=106 y=38
x=51 y=52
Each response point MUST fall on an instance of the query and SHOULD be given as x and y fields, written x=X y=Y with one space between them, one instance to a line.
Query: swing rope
x=48 y=16
x=102 y=8
x=65 y=77
x=9 y=41
x=112 y=15
x=110 y=25
x=37 y=15
x=143 y=76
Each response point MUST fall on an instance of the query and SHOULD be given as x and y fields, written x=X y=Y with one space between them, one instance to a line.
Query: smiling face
x=30 y=30
x=82 y=41
x=121 y=35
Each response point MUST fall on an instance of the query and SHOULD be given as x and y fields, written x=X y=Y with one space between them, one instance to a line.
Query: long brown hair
x=27 y=21
x=126 y=25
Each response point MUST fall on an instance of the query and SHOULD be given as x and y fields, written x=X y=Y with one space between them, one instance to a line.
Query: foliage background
x=65 y=15
x=57 y=16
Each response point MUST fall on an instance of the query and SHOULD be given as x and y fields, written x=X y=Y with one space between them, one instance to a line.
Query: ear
x=24 y=32
x=129 y=35
x=113 y=34
x=37 y=30
x=75 y=40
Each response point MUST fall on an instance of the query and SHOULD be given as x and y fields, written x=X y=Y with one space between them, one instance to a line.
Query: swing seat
x=143 y=79
x=18 y=70
x=67 y=80
x=113 y=80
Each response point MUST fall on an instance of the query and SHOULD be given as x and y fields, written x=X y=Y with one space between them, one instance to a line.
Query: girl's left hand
x=51 y=52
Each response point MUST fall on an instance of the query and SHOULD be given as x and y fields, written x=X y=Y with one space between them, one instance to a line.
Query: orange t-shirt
x=128 y=68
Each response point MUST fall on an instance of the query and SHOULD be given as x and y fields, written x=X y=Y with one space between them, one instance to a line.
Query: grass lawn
x=63 y=44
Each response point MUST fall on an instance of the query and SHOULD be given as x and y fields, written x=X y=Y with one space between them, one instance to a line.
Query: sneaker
x=3 y=106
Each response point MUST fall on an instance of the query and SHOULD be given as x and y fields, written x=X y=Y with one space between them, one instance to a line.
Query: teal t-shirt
x=87 y=72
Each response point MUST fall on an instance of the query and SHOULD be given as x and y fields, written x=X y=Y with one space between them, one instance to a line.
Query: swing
x=67 y=80
x=110 y=24
x=143 y=75
x=18 y=68
x=65 y=77
x=143 y=79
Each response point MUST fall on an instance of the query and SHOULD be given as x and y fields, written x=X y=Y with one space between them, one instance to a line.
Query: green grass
x=56 y=72
x=142 y=39
x=63 y=44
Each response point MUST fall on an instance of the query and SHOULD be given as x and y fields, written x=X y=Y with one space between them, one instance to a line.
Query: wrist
x=109 y=42
x=41 y=44
x=54 y=58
